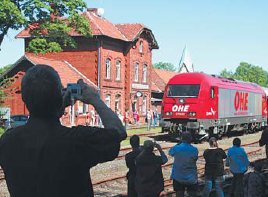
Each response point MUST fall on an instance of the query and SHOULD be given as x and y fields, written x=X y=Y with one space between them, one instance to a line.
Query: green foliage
x=5 y=68
x=226 y=73
x=3 y=83
x=40 y=45
x=52 y=20
x=248 y=72
x=164 y=66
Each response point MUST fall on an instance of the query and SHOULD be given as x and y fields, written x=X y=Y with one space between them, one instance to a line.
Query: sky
x=218 y=33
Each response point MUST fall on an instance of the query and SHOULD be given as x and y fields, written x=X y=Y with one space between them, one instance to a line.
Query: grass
x=139 y=131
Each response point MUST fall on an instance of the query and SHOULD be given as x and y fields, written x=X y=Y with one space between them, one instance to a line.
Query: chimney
x=94 y=10
x=98 y=11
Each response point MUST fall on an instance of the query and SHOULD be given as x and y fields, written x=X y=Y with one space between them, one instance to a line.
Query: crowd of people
x=145 y=177
x=44 y=158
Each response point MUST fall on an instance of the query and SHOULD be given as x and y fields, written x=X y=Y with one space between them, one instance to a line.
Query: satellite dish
x=100 y=11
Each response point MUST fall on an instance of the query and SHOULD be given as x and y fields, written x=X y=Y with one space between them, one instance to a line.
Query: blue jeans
x=218 y=187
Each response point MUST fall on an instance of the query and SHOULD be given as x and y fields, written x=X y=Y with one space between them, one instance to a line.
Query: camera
x=74 y=88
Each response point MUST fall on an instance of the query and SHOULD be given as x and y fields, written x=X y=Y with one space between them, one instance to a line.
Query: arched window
x=141 y=47
x=108 y=100
x=108 y=68
x=144 y=73
x=144 y=105
x=134 y=103
x=136 y=72
x=117 y=102
x=118 y=70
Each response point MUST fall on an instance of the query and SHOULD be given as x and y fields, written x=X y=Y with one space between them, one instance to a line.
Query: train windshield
x=183 y=90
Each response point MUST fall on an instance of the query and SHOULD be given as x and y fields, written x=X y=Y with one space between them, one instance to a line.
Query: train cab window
x=212 y=92
x=183 y=90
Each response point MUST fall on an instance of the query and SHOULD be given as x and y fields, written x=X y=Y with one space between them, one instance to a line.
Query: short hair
x=257 y=166
x=41 y=91
x=148 y=145
x=212 y=140
x=134 y=141
x=186 y=137
x=237 y=142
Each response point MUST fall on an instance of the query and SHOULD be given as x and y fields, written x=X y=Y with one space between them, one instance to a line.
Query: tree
x=226 y=73
x=3 y=83
x=248 y=72
x=164 y=66
x=50 y=21
x=4 y=68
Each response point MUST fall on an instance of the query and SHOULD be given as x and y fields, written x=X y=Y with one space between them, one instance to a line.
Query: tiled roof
x=161 y=77
x=103 y=27
x=165 y=75
x=67 y=72
x=130 y=31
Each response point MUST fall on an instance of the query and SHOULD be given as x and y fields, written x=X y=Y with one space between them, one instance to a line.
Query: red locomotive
x=211 y=105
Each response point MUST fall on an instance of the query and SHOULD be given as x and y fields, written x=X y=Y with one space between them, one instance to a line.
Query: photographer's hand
x=109 y=118
x=163 y=155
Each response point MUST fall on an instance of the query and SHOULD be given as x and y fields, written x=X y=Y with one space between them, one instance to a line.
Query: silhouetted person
x=264 y=140
x=238 y=161
x=184 y=170
x=44 y=158
x=254 y=182
x=149 y=176
x=214 y=168
x=131 y=164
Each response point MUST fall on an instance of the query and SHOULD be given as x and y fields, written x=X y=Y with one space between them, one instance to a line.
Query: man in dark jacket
x=149 y=176
x=44 y=158
x=131 y=164
x=214 y=168
x=254 y=182
x=264 y=140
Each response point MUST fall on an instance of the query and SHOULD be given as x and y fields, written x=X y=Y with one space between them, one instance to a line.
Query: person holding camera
x=131 y=165
x=214 y=168
x=149 y=176
x=44 y=158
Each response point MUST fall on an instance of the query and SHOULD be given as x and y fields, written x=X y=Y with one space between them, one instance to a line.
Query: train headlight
x=192 y=114
x=168 y=113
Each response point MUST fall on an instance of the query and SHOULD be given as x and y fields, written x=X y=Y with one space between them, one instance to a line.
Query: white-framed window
x=144 y=73
x=79 y=107
x=108 y=100
x=141 y=47
x=118 y=70
x=136 y=72
x=108 y=68
x=85 y=108
x=144 y=105
x=117 y=102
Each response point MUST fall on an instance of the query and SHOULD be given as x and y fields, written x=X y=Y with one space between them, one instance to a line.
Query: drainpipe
x=99 y=64
x=99 y=73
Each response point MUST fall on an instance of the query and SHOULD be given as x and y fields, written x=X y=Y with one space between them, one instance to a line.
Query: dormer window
x=141 y=47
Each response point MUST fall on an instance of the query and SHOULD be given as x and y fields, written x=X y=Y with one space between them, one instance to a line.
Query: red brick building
x=117 y=59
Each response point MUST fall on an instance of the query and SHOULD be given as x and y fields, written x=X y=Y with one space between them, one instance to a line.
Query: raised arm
x=162 y=154
x=109 y=119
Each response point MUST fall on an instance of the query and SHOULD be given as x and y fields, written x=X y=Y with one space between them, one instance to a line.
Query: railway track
x=119 y=180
